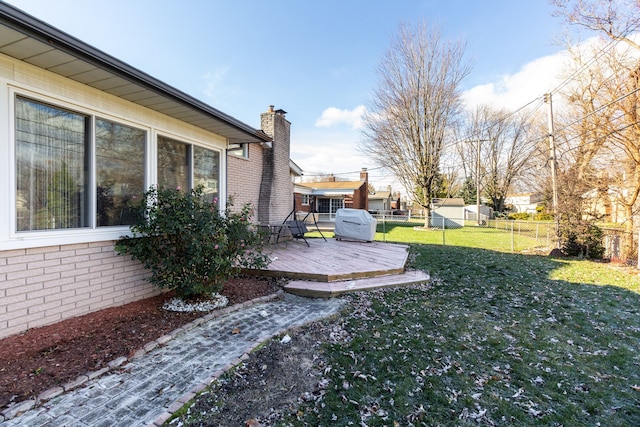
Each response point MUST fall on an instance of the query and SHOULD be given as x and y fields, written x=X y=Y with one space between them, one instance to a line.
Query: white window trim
x=222 y=195
x=92 y=233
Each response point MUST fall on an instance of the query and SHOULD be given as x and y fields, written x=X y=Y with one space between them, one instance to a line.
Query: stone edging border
x=19 y=408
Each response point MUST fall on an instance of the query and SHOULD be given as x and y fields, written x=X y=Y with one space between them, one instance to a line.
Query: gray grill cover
x=356 y=224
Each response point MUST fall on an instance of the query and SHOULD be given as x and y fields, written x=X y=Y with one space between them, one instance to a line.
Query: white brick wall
x=41 y=286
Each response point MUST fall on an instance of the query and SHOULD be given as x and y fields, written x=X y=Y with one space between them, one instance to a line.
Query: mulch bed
x=46 y=357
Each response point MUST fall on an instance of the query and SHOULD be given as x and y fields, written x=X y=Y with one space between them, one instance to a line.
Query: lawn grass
x=499 y=237
x=494 y=339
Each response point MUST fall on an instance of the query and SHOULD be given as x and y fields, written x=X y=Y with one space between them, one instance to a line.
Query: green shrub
x=543 y=216
x=582 y=239
x=188 y=244
x=520 y=216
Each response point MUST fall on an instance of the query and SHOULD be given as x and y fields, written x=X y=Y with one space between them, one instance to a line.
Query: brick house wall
x=48 y=276
x=361 y=197
x=300 y=207
x=41 y=286
x=244 y=176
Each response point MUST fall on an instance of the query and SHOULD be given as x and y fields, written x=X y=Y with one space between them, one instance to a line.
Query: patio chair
x=298 y=228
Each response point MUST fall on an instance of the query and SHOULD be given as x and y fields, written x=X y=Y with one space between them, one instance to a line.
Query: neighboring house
x=84 y=133
x=382 y=201
x=329 y=196
x=604 y=204
x=523 y=202
x=448 y=211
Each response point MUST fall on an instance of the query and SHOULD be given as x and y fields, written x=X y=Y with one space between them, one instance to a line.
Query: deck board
x=331 y=268
x=335 y=260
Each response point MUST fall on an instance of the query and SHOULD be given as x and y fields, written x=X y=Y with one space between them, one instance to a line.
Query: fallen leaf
x=235 y=331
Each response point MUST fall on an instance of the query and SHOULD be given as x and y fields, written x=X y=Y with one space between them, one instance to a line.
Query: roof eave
x=35 y=28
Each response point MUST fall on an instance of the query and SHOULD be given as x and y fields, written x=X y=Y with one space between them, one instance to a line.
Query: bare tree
x=614 y=18
x=414 y=108
x=501 y=140
x=606 y=135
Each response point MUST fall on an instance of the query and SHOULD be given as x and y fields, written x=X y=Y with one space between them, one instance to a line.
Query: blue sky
x=314 y=59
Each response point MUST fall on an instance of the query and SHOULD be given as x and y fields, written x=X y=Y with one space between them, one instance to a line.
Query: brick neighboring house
x=331 y=195
x=83 y=133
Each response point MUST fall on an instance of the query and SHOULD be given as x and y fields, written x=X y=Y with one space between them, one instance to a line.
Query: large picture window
x=173 y=163
x=120 y=153
x=52 y=167
x=181 y=165
x=206 y=166
x=75 y=170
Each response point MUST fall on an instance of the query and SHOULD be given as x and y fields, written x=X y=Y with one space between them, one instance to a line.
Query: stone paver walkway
x=147 y=389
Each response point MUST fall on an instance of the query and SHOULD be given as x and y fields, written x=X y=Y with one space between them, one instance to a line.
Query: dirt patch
x=287 y=371
x=50 y=356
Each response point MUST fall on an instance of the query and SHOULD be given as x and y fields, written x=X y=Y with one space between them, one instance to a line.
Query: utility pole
x=478 y=184
x=478 y=141
x=552 y=159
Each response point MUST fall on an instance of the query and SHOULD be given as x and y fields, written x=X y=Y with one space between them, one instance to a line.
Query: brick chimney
x=364 y=175
x=276 y=190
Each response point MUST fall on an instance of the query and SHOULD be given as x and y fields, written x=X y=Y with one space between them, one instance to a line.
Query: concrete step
x=308 y=288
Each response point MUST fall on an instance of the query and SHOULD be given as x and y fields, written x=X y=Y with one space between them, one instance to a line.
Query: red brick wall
x=299 y=206
x=361 y=197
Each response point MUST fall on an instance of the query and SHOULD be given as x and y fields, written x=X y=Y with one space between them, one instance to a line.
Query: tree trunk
x=627 y=241
x=427 y=217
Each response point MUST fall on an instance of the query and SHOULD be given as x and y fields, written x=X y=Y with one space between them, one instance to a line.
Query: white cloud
x=515 y=90
x=334 y=116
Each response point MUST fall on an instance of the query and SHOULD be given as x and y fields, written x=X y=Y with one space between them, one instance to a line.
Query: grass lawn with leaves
x=494 y=339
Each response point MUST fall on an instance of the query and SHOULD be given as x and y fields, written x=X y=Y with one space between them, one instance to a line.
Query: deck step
x=313 y=289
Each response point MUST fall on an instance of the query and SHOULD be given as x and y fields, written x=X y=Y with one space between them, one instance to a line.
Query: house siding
x=46 y=277
x=41 y=286
x=244 y=176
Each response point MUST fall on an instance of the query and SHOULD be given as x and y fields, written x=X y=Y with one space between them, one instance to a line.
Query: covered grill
x=356 y=224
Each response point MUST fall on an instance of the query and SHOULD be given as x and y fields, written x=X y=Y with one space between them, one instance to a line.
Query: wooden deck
x=332 y=267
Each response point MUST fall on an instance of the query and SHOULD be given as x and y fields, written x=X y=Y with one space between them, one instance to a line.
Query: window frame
x=149 y=122
x=191 y=147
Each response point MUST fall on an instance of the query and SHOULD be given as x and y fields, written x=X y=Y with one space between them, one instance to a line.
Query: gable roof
x=452 y=201
x=380 y=195
x=33 y=41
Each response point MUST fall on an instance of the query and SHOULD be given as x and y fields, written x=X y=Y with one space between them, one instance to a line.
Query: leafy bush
x=520 y=216
x=188 y=244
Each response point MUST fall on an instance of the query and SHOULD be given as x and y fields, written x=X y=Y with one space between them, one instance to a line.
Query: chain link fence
x=534 y=237
x=617 y=242
x=498 y=234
